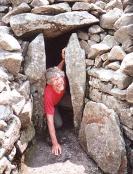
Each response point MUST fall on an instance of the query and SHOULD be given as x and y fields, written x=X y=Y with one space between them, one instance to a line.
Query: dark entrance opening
x=53 y=47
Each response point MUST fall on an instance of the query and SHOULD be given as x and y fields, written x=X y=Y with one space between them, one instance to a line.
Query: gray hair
x=53 y=72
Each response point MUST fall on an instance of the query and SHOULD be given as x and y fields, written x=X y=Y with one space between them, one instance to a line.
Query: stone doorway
x=53 y=47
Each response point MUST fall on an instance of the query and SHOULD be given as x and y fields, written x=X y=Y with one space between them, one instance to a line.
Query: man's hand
x=56 y=149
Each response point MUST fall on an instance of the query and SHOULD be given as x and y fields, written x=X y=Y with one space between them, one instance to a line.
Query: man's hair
x=53 y=72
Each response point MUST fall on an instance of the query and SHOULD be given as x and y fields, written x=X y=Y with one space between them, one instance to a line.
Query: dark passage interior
x=53 y=48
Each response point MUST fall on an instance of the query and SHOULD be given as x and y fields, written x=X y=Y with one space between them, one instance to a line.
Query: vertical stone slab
x=76 y=73
x=35 y=67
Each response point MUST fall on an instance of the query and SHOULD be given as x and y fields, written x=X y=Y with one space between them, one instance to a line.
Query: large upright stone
x=35 y=65
x=17 y=2
x=76 y=73
x=50 y=25
x=101 y=137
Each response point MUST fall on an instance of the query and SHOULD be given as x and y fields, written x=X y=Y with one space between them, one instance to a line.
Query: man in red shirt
x=53 y=93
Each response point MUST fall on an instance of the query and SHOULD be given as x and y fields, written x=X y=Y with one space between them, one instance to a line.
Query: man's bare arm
x=61 y=64
x=56 y=148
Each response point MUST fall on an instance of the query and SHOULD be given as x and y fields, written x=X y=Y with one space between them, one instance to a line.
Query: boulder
x=108 y=20
x=127 y=64
x=38 y=3
x=11 y=61
x=50 y=25
x=22 y=8
x=8 y=42
x=52 y=9
x=129 y=94
x=101 y=136
x=35 y=61
x=74 y=55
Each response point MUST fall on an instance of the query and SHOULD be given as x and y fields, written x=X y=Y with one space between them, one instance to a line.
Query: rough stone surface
x=117 y=53
x=38 y=3
x=52 y=9
x=22 y=8
x=129 y=95
x=76 y=56
x=58 y=24
x=107 y=20
x=99 y=127
x=8 y=42
x=127 y=64
x=35 y=65
x=11 y=59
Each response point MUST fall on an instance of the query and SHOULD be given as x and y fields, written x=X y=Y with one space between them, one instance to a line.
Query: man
x=53 y=93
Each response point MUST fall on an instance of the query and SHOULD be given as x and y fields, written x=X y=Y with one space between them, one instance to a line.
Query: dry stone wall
x=104 y=114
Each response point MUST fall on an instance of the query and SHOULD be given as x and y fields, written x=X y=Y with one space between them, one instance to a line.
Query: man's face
x=58 y=83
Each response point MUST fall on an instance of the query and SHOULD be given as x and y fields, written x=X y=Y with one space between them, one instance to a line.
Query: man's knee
x=58 y=124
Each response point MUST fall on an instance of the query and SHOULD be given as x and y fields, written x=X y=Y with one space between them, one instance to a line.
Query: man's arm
x=61 y=64
x=56 y=148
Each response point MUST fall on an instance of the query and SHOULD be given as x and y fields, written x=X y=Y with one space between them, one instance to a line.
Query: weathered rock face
x=101 y=137
x=50 y=25
x=75 y=64
x=104 y=31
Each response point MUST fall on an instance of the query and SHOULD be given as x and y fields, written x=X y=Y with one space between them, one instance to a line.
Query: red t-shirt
x=51 y=99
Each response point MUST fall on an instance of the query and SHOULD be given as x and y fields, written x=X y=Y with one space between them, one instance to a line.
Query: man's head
x=55 y=77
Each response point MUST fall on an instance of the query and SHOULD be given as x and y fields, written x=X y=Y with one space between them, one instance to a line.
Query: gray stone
x=24 y=89
x=121 y=80
x=128 y=132
x=35 y=65
x=50 y=25
x=5 y=29
x=74 y=55
x=83 y=35
x=129 y=94
x=11 y=61
x=12 y=134
x=5 y=113
x=6 y=166
x=2 y=86
x=89 y=62
x=85 y=6
x=102 y=35
x=94 y=29
x=97 y=50
x=12 y=154
x=101 y=4
x=114 y=4
x=52 y=9
x=100 y=126
x=101 y=73
x=38 y=3
x=8 y=42
x=84 y=45
x=117 y=53
x=3 y=125
x=4 y=75
x=118 y=93
x=26 y=114
x=22 y=8
x=98 y=62
x=113 y=65
x=127 y=64
x=110 y=41
x=104 y=57
x=17 y=107
x=102 y=86
x=4 y=2
x=3 y=8
x=18 y=2
x=128 y=9
x=124 y=20
x=95 y=38
x=108 y=20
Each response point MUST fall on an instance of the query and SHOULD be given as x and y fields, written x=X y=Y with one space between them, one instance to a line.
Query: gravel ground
x=39 y=160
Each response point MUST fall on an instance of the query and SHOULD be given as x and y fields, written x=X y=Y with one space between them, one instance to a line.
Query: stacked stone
x=109 y=60
x=16 y=127
x=106 y=38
